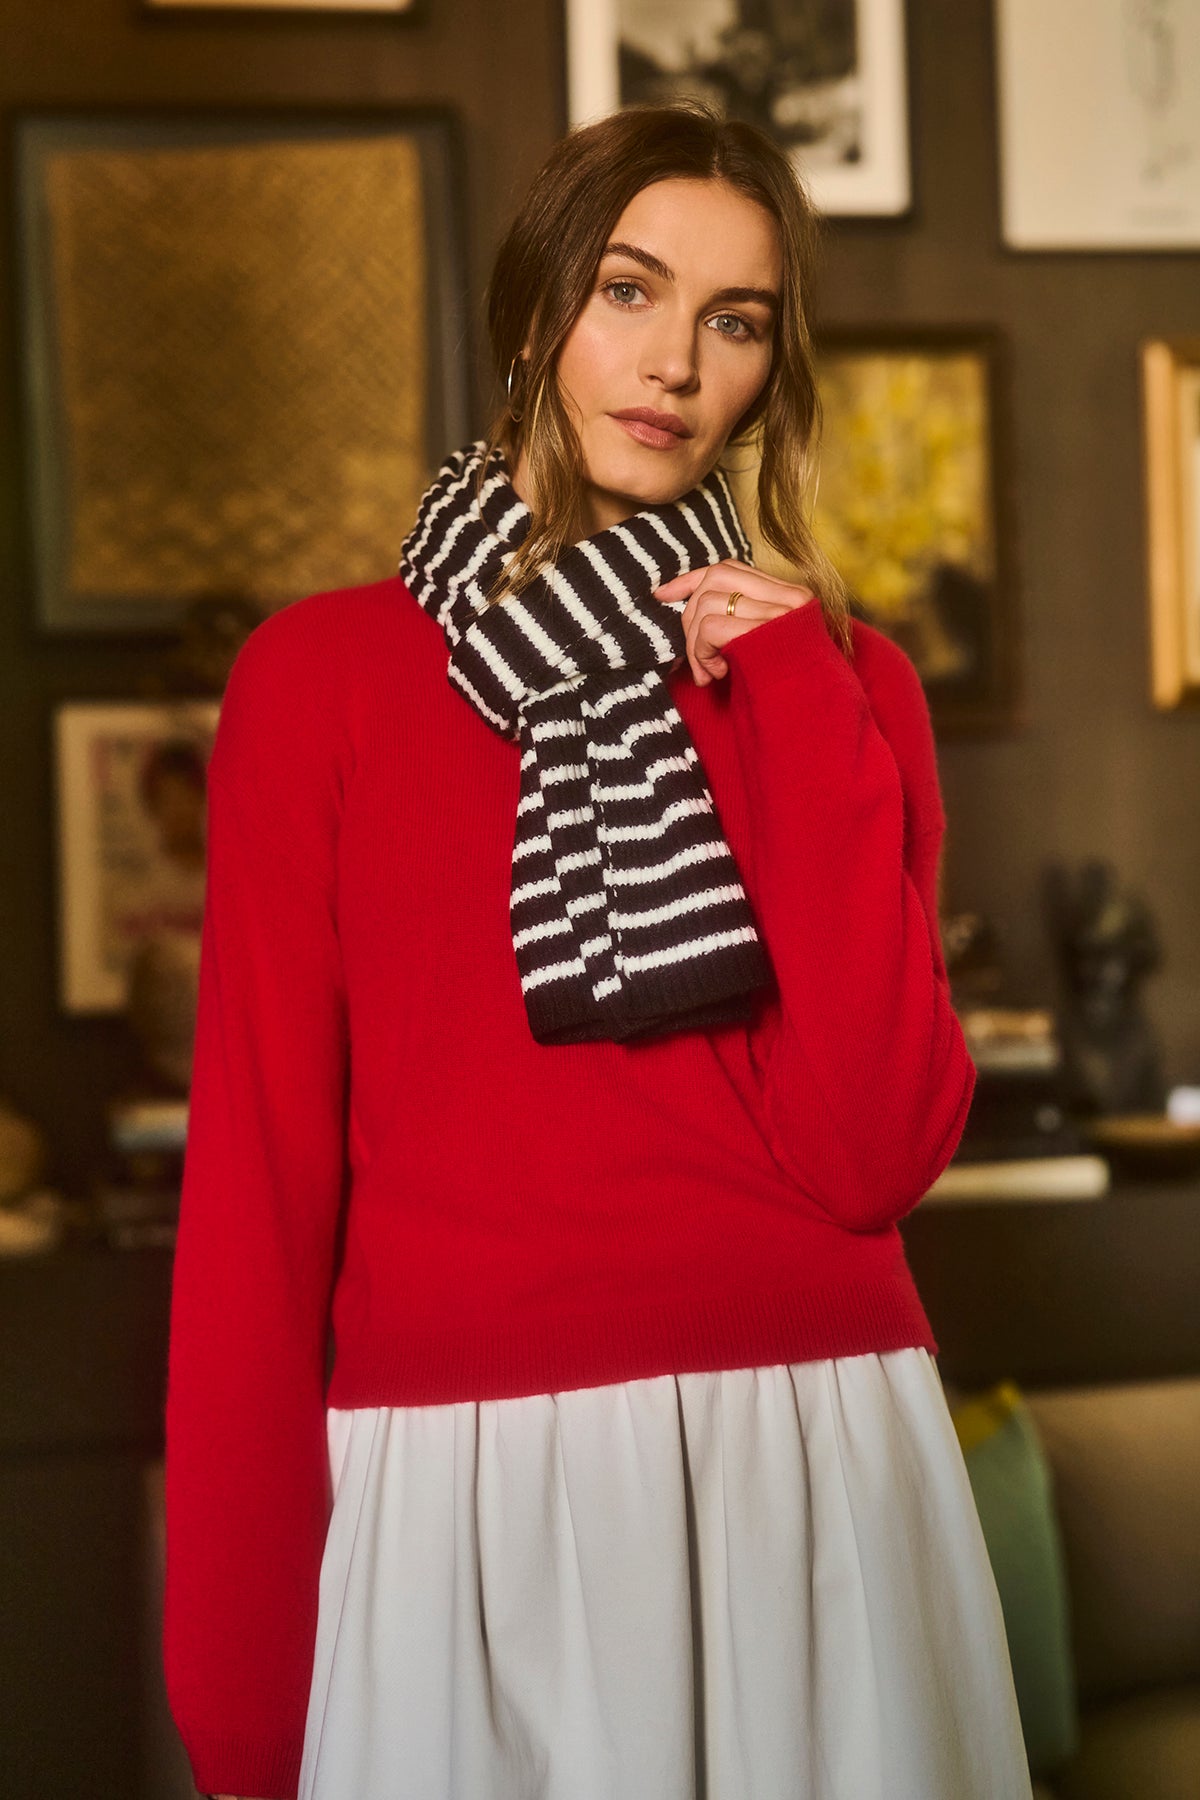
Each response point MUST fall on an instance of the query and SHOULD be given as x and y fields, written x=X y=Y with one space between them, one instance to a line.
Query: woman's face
x=673 y=343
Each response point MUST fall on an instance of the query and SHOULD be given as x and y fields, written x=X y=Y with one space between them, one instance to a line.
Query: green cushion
x=1012 y=1484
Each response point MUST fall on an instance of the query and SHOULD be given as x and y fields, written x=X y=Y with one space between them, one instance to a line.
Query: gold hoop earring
x=508 y=386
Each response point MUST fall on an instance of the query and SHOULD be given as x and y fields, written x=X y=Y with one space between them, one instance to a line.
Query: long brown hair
x=542 y=278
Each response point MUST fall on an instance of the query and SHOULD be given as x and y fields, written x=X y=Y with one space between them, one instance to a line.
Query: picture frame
x=130 y=785
x=1108 y=160
x=209 y=404
x=836 y=97
x=1170 y=397
x=392 y=9
x=918 y=418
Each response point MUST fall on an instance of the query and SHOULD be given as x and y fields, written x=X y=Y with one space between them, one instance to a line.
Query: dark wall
x=500 y=68
x=1091 y=769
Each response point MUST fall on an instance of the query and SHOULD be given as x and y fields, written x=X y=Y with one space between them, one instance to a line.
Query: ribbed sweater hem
x=269 y=1771
x=503 y=1359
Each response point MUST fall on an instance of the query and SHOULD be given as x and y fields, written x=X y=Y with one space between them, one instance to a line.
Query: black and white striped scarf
x=629 y=919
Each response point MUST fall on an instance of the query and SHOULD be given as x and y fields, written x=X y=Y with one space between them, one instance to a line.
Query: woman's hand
x=708 y=624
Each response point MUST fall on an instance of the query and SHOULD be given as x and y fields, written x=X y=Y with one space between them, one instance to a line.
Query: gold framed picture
x=242 y=351
x=1170 y=369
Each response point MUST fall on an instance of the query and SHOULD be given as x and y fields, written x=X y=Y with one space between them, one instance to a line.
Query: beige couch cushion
x=1126 y=1470
x=1145 y=1748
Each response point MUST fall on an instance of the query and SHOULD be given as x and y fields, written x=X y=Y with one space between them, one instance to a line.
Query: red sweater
x=374 y=1129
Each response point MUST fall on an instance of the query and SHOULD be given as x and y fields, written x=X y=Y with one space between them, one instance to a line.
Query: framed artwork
x=242 y=352
x=131 y=783
x=828 y=81
x=912 y=507
x=1108 y=159
x=1170 y=369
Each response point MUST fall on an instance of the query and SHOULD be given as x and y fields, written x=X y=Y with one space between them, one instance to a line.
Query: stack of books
x=1018 y=1142
x=136 y=1203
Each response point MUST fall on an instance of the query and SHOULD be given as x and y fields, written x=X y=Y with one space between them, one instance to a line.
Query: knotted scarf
x=628 y=916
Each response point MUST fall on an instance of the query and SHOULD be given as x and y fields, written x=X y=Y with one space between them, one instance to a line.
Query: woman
x=574 y=1026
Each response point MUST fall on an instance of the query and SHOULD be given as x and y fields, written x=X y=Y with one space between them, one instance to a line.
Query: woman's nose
x=669 y=354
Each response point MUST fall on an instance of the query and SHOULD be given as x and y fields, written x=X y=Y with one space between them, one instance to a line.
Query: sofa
x=1123 y=1468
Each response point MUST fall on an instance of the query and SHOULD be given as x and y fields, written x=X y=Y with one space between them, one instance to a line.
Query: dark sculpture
x=1105 y=944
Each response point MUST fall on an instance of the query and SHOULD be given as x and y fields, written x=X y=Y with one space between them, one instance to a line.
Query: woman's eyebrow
x=656 y=266
x=731 y=295
x=653 y=263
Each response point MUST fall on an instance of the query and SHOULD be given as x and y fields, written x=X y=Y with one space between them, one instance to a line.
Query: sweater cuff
x=780 y=649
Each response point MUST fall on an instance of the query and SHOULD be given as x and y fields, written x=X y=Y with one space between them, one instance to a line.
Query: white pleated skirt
x=751 y=1584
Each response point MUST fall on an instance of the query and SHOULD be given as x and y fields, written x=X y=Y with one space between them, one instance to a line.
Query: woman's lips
x=655 y=437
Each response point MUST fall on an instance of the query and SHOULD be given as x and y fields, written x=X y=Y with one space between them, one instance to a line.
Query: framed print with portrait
x=243 y=352
x=829 y=82
x=1170 y=369
x=131 y=789
x=912 y=507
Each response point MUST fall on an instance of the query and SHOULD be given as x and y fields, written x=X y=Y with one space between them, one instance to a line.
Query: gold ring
x=732 y=602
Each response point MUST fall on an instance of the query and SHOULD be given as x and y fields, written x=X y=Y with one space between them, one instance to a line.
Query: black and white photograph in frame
x=1099 y=115
x=826 y=78
x=131 y=783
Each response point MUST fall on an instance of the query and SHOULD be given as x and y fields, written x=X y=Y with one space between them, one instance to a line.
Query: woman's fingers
x=711 y=630
x=731 y=576
x=706 y=619
x=680 y=586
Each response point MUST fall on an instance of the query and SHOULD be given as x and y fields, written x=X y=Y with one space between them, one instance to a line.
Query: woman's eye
x=730 y=325
x=625 y=293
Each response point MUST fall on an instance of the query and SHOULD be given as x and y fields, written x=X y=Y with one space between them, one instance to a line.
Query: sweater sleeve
x=247 y=1470
x=865 y=1075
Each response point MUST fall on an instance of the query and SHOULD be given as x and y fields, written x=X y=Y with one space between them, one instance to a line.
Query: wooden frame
x=930 y=562
x=1170 y=384
x=124 y=868
x=847 y=98
x=389 y=9
x=230 y=316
